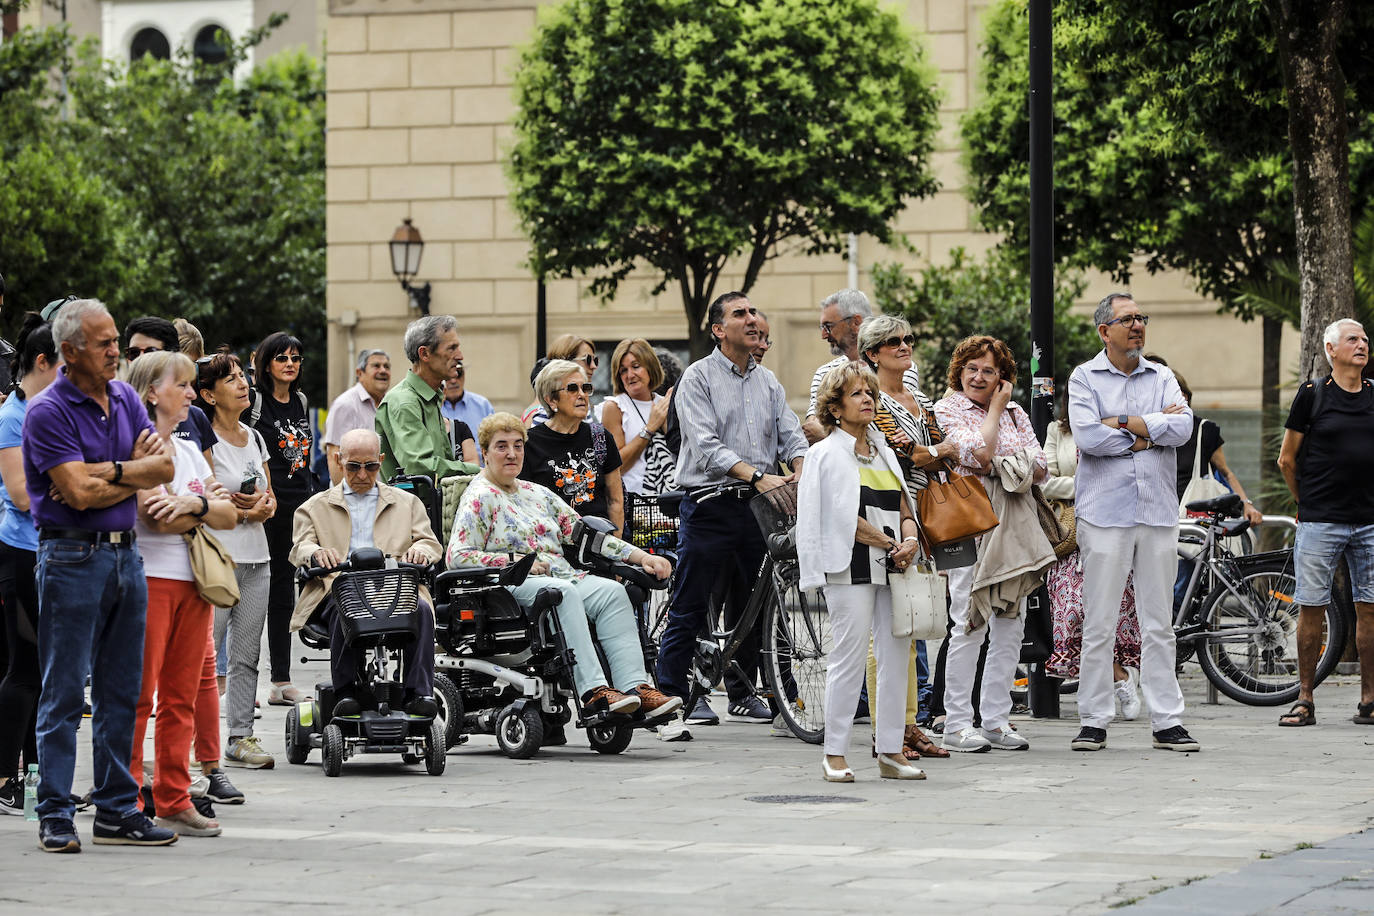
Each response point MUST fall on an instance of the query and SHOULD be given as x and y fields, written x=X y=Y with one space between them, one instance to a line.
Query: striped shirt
x=1118 y=488
x=728 y=417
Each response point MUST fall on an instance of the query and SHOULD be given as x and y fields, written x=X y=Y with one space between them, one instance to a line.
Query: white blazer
x=828 y=503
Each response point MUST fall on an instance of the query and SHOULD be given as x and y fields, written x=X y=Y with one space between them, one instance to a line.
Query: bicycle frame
x=1221 y=568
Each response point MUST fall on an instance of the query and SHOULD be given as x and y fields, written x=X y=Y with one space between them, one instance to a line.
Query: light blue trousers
x=603 y=602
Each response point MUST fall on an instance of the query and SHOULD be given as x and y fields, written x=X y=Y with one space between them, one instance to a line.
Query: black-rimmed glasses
x=1128 y=320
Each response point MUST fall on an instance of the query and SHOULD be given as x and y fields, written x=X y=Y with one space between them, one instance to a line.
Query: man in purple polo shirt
x=88 y=449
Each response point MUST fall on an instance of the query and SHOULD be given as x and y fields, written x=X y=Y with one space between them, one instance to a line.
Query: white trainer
x=1005 y=739
x=967 y=741
x=1128 y=694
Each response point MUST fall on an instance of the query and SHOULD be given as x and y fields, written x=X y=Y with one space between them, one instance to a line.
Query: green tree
x=947 y=303
x=681 y=135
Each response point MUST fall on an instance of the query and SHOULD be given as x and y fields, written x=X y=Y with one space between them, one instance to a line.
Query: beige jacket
x=1013 y=557
x=1061 y=456
x=322 y=521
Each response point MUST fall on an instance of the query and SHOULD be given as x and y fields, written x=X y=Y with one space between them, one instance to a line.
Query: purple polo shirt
x=63 y=424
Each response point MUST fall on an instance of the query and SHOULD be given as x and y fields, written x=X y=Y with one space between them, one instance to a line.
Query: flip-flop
x=1303 y=712
x=1364 y=714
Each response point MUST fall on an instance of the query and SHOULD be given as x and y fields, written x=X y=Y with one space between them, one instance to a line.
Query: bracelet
x=118 y=472
x=910 y=537
x=204 y=507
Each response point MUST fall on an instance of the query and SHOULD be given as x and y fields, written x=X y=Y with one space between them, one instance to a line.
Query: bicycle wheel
x=1249 y=649
x=798 y=644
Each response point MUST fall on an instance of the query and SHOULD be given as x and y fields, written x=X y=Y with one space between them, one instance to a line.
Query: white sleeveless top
x=633 y=417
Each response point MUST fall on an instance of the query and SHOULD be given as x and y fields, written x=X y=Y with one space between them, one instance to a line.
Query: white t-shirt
x=165 y=556
x=247 y=542
x=634 y=416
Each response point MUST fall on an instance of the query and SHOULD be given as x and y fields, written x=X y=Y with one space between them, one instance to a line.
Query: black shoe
x=204 y=807
x=347 y=706
x=133 y=830
x=750 y=709
x=222 y=790
x=1176 y=739
x=1089 y=739
x=12 y=797
x=58 y=834
x=422 y=708
x=554 y=735
x=702 y=714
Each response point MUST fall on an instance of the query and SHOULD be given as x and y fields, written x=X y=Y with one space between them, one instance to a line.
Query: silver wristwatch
x=934 y=452
x=644 y=433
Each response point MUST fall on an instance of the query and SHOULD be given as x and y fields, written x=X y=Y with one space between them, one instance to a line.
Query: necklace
x=866 y=459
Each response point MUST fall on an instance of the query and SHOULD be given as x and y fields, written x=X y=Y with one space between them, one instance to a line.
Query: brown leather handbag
x=952 y=508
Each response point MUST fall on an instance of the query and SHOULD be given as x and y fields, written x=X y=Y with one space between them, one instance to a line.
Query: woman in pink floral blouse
x=502 y=518
x=980 y=418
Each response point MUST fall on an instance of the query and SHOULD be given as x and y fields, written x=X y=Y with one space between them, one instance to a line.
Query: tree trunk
x=1308 y=32
x=1270 y=421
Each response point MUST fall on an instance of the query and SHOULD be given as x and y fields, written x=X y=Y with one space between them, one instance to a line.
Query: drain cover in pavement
x=802 y=799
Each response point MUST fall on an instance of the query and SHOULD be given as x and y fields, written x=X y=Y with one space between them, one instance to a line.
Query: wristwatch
x=1122 y=420
x=934 y=452
x=644 y=433
x=755 y=478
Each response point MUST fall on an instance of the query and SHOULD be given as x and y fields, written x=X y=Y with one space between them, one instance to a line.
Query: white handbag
x=1199 y=487
x=918 y=601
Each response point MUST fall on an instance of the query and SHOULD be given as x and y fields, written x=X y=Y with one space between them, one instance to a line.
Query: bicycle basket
x=776 y=512
x=647 y=526
x=378 y=606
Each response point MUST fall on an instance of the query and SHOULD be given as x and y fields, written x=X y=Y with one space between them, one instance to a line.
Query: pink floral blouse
x=962 y=421
x=495 y=528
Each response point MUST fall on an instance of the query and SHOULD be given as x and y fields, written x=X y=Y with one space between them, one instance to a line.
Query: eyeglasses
x=828 y=326
x=895 y=341
x=1128 y=320
x=287 y=358
x=354 y=467
x=976 y=372
x=133 y=353
x=585 y=388
x=591 y=361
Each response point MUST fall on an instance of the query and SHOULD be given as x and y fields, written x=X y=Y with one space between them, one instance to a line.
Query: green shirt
x=413 y=434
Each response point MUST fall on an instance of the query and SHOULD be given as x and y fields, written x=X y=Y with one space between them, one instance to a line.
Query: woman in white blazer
x=852 y=496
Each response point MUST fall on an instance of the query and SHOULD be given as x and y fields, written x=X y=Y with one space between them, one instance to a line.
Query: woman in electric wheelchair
x=501 y=518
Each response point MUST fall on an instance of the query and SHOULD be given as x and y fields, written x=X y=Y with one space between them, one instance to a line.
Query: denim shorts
x=1317 y=552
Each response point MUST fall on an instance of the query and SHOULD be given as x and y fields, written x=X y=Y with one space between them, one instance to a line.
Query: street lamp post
x=406 y=249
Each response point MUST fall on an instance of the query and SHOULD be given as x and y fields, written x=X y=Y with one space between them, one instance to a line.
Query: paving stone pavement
x=682 y=828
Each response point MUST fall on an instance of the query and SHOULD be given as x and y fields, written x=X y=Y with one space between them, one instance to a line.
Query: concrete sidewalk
x=738 y=821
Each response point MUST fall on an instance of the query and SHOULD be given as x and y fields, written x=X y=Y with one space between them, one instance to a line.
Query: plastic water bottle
x=31 y=793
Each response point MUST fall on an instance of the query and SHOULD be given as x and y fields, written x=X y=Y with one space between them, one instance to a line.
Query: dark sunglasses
x=133 y=353
x=287 y=358
x=591 y=361
x=585 y=388
x=354 y=467
x=895 y=341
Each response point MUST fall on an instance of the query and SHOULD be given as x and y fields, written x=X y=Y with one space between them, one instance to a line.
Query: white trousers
x=961 y=660
x=855 y=612
x=1109 y=556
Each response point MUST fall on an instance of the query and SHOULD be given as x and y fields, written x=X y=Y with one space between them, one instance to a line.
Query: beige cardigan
x=1061 y=457
x=1013 y=557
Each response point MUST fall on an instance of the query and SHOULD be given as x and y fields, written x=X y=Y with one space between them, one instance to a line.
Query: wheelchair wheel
x=297 y=735
x=450 y=700
x=333 y=750
x=609 y=739
x=436 y=749
x=519 y=733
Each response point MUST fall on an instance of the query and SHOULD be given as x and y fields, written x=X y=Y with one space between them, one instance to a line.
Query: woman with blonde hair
x=636 y=417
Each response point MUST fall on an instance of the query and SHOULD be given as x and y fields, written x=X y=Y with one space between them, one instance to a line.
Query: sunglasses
x=585 y=388
x=354 y=467
x=895 y=341
x=591 y=362
x=133 y=353
x=285 y=358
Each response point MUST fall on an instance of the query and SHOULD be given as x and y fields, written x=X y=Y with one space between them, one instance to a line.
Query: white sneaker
x=1128 y=694
x=1005 y=740
x=967 y=741
x=780 y=728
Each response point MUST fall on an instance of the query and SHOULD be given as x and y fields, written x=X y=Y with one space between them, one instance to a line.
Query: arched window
x=151 y=42
x=208 y=47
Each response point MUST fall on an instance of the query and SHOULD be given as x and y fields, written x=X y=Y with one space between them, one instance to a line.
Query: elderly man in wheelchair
x=356 y=514
x=501 y=518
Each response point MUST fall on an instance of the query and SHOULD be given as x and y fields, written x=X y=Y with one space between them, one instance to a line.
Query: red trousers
x=174 y=650
x=207 y=703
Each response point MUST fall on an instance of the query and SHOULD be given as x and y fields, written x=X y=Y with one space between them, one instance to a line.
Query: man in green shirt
x=408 y=419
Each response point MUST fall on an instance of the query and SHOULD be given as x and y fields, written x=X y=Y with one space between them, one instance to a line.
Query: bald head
x=360 y=453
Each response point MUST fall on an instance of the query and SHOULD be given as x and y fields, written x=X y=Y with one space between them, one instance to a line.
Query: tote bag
x=212 y=568
x=918 y=602
x=952 y=508
x=1199 y=487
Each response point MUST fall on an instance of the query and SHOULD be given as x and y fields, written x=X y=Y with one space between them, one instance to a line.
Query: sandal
x=1303 y=713
x=1364 y=714
x=915 y=741
x=285 y=695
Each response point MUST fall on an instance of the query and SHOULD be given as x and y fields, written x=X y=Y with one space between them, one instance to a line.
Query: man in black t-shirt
x=1325 y=460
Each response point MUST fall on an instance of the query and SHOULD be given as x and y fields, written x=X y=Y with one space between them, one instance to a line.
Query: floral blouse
x=962 y=421
x=495 y=528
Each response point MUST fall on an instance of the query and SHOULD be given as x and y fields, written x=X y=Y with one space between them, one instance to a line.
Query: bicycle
x=1239 y=616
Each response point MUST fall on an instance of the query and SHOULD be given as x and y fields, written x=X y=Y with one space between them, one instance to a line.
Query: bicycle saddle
x=1228 y=505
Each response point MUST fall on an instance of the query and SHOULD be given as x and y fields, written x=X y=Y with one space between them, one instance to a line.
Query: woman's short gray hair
x=1331 y=336
x=550 y=379
x=877 y=329
x=425 y=332
x=830 y=395
x=67 y=326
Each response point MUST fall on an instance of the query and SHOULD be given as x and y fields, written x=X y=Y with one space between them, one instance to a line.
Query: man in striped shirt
x=1128 y=416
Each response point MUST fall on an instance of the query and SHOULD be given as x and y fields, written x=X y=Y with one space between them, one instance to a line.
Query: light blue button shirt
x=362 y=516
x=1118 y=488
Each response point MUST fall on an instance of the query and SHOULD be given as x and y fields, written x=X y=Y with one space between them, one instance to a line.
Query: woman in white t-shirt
x=636 y=417
x=240 y=458
x=178 y=622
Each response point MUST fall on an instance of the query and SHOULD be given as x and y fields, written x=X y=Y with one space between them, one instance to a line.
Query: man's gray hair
x=425 y=332
x=1103 y=314
x=850 y=302
x=67 y=326
x=877 y=329
x=365 y=355
x=1331 y=336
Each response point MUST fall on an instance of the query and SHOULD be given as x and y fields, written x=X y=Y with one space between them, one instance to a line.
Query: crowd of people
x=115 y=460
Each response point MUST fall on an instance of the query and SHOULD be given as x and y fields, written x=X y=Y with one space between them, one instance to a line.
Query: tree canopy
x=679 y=135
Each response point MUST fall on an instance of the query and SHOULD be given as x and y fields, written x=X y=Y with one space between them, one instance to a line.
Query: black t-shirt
x=286 y=430
x=1334 y=482
x=572 y=465
x=1211 y=441
x=196 y=427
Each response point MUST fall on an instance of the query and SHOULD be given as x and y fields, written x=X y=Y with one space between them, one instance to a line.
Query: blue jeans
x=925 y=688
x=602 y=602
x=720 y=534
x=92 y=605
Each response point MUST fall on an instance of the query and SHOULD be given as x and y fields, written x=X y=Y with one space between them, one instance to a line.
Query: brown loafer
x=654 y=703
